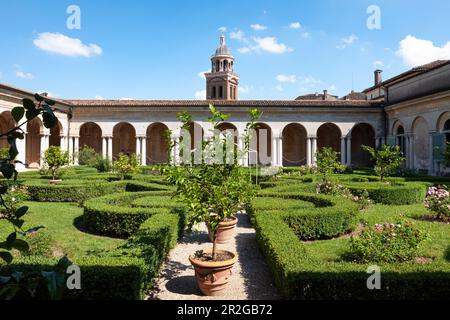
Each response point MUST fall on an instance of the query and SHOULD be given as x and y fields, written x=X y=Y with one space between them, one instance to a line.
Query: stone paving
x=251 y=279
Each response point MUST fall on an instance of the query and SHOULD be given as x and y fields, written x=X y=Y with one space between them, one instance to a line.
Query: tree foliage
x=126 y=165
x=388 y=160
x=54 y=158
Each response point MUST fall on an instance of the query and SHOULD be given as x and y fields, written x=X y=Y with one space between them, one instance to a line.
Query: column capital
x=311 y=136
x=141 y=136
x=107 y=136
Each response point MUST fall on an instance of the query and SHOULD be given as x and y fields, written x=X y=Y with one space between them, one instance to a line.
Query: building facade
x=411 y=110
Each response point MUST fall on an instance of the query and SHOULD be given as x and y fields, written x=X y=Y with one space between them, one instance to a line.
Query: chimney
x=378 y=78
x=325 y=94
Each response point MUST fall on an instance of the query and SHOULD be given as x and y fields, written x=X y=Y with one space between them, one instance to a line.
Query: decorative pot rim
x=214 y=264
x=233 y=221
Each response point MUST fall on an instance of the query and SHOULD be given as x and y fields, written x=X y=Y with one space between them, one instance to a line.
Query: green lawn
x=59 y=221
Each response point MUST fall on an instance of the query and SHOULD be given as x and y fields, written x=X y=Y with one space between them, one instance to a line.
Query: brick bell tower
x=222 y=83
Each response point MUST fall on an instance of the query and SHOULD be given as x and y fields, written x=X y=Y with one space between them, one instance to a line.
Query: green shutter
x=438 y=140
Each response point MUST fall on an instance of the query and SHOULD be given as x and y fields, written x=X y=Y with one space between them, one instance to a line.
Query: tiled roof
x=355 y=96
x=239 y=103
x=315 y=96
x=412 y=73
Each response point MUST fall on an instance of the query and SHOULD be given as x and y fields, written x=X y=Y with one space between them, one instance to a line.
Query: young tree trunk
x=214 y=247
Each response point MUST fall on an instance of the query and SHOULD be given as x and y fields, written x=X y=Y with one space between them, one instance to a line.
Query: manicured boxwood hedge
x=298 y=275
x=125 y=273
x=72 y=190
x=400 y=194
x=325 y=217
x=114 y=215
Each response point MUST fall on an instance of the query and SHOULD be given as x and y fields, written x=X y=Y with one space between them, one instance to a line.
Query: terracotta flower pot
x=213 y=276
x=225 y=231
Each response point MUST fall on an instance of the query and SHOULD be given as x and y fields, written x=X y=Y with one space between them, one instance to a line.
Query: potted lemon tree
x=213 y=192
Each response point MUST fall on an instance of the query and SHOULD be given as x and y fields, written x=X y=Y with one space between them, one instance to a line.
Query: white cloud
x=279 y=88
x=378 y=64
x=200 y=95
x=286 y=78
x=237 y=35
x=58 y=43
x=306 y=35
x=244 y=50
x=201 y=74
x=244 y=89
x=332 y=88
x=347 y=41
x=98 y=98
x=310 y=80
x=222 y=29
x=415 y=52
x=271 y=45
x=295 y=25
x=258 y=27
x=24 y=75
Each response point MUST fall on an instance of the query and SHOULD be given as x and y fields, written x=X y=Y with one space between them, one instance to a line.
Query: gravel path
x=251 y=279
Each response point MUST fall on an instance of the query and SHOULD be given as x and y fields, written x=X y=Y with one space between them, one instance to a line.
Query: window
x=220 y=92
x=217 y=66
x=447 y=130
x=400 y=134
x=213 y=92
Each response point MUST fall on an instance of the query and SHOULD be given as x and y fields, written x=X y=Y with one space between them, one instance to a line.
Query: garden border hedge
x=299 y=275
x=400 y=194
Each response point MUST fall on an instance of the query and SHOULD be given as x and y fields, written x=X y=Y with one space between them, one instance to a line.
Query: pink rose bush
x=438 y=201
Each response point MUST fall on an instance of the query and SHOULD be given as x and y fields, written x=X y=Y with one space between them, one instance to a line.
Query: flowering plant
x=389 y=242
x=438 y=201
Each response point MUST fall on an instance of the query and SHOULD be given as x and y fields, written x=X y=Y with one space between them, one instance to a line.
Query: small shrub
x=438 y=201
x=331 y=188
x=327 y=162
x=363 y=200
x=103 y=165
x=54 y=158
x=388 y=160
x=390 y=242
x=87 y=157
x=126 y=165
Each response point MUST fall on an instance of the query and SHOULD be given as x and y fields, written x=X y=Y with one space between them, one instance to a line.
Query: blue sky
x=156 y=49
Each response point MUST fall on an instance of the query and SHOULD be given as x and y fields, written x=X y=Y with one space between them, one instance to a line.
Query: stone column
x=280 y=152
x=21 y=148
x=110 y=148
x=71 y=149
x=431 y=161
x=76 y=149
x=349 y=150
x=308 y=152
x=274 y=159
x=412 y=154
x=138 y=147
x=176 y=150
x=104 y=147
x=63 y=143
x=144 y=151
x=44 y=145
x=343 y=150
x=313 y=150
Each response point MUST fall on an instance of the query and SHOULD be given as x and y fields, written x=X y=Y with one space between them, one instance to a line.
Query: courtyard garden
x=320 y=231
x=120 y=231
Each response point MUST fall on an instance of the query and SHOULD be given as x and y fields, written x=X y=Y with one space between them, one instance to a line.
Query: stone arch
x=124 y=139
x=362 y=134
x=443 y=125
x=55 y=135
x=33 y=143
x=91 y=136
x=229 y=127
x=294 y=145
x=261 y=145
x=157 y=149
x=6 y=123
x=421 y=144
x=329 y=135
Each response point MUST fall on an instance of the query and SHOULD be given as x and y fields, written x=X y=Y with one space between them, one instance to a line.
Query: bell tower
x=222 y=83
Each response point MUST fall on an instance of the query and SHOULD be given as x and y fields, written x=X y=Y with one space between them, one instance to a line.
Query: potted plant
x=213 y=192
